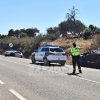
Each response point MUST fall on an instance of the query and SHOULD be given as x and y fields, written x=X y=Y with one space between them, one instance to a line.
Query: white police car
x=49 y=54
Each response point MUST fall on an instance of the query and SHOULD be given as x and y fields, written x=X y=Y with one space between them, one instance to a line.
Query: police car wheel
x=62 y=64
x=33 y=60
x=46 y=62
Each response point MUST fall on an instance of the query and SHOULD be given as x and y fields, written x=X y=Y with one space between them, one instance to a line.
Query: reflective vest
x=75 y=51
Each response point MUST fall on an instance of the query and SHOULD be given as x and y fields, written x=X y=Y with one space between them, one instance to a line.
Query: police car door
x=41 y=54
x=37 y=54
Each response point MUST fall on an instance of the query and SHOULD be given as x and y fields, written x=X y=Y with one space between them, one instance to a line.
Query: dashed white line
x=1 y=82
x=17 y=94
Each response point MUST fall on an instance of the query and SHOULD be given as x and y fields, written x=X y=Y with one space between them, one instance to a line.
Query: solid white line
x=1 y=82
x=58 y=73
x=87 y=79
x=72 y=76
x=76 y=77
x=17 y=94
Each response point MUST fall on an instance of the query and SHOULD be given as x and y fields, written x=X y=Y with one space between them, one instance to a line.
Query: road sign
x=10 y=45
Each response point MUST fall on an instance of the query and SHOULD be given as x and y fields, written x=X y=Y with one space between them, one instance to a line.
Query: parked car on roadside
x=9 y=53
x=90 y=59
x=18 y=54
x=49 y=54
x=13 y=53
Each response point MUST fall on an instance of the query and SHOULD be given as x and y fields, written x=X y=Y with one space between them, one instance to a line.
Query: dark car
x=90 y=59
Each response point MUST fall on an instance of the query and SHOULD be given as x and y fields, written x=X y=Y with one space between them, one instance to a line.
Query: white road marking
x=76 y=77
x=57 y=72
x=1 y=82
x=71 y=76
x=17 y=94
x=87 y=79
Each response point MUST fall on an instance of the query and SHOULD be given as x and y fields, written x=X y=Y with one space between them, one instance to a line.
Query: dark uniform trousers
x=75 y=60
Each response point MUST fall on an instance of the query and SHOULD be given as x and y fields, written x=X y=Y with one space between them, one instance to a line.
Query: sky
x=42 y=14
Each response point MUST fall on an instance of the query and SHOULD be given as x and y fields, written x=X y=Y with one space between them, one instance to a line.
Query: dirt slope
x=66 y=44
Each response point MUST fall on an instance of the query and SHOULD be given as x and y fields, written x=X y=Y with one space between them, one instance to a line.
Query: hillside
x=66 y=44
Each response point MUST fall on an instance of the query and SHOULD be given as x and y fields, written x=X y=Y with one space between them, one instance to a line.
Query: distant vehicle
x=9 y=53
x=13 y=53
x=49 y=54
x=18 y=54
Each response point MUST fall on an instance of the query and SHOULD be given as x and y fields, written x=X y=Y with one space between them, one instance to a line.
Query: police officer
x=75 y=52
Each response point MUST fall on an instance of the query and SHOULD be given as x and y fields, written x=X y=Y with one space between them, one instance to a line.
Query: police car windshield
x=56 y=50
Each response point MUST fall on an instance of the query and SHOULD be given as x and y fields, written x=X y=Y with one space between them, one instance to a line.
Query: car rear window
x=56 y=50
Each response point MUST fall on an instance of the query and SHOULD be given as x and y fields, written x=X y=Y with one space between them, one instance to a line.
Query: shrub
x=26 y=45
x=51 y=37
x=86 y=34
x=96 y=42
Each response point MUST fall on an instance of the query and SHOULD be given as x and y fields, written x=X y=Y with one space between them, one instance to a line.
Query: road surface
x=21 y=80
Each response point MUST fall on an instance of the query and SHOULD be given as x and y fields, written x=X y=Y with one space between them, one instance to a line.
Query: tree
x=52 y=30
x=11 y=32
x=69 y=27
x=97 y=31
x=22 y=34
x=74 y=26
x=79 y=27
x=49 y=30
x=92 y=28
x=17 y=33
x=72 y=14
x=35 y=30
x=23 y=30
x=86 y=33
x=63 y=28
x=31 y=32
x=2 y=36
x=52 y=33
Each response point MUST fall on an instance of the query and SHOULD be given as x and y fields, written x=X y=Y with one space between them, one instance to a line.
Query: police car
x=49 y=54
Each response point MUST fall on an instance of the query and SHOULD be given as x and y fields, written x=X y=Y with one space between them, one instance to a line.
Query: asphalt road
x=21 y=80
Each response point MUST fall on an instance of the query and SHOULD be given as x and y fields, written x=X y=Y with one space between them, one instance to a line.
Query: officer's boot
x=73 y=72
x=80 y=70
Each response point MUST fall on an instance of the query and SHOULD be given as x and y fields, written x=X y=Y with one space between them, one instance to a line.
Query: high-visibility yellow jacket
x=75 y=51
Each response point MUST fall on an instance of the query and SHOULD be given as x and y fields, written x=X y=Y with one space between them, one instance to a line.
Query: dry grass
x=66 y=44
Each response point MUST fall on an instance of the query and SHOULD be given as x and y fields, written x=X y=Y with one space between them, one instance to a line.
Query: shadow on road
x=76 y=74
x=52 y=64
